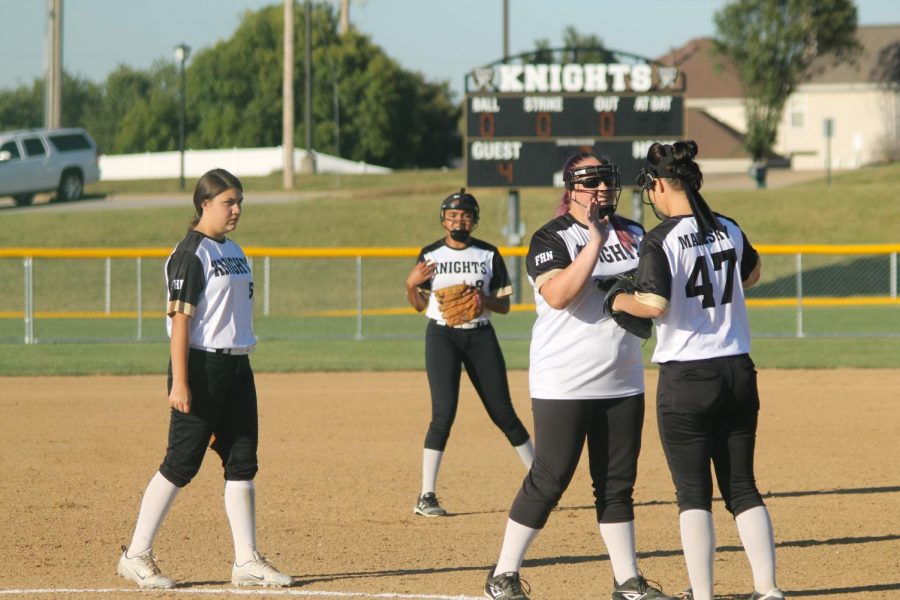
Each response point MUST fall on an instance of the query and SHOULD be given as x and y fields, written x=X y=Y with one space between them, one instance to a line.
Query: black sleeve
x=546 y=252
x=421 y=258
x=654 y=275
x=186 y=281
x=500 y=275
x=750 y=258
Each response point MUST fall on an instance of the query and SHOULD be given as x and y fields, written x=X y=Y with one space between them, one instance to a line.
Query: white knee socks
x=158 y=499
x=516 y=541
x=240 y=506
x=698 y=539
x=619 y=540
x=431 y=464
x=755 y=529
x=526 y=453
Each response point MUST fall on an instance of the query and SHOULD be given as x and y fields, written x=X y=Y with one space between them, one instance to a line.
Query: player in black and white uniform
x=693 y=271
x=212 y=394
x=586 y=378
x=454 y=259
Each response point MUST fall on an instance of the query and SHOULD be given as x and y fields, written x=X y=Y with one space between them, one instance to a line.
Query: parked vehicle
x=46 y=160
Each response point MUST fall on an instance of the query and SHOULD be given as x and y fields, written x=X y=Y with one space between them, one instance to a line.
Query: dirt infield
x=340 y=463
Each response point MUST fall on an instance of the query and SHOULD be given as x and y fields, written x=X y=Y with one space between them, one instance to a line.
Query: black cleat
x=637 y=588
x=427 y=505
x=506 y=586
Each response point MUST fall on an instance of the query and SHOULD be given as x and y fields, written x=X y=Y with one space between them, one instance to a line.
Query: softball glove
x=623 y=283
x=459 y=303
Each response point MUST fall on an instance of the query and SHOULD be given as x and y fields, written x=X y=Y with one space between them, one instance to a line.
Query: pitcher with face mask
x=458 y=259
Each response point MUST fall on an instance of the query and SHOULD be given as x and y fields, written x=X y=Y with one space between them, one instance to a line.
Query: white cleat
x=261 y=572
x=143 y=570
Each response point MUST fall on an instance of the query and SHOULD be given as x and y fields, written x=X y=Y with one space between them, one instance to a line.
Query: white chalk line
x=237 y=592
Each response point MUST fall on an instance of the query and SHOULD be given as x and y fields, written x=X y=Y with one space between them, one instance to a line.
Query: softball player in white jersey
x=586 y=379
x=459 y=258
x=212 y=394
x=693 y=271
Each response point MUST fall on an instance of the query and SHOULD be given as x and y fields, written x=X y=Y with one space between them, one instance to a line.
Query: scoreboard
x=520 y=132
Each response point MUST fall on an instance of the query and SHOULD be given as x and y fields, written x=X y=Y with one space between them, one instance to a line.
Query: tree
x=773 y=45
x=578 y=49
x=388 y=115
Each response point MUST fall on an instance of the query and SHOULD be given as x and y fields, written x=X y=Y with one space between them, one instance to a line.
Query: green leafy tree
x=577 y=48
x=23 y=107
x=773 y=44
x=386 y=115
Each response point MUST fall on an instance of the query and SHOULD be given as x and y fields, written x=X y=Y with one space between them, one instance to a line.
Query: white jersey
x=211 y=282
x=579 y=353
x=479 y=264
x=700 y=282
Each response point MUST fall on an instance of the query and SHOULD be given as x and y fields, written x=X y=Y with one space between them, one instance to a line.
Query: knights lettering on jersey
x=211 y=281
x=230 y=265
x=616 y=252
x=563 y=338
x=479 y=264
x=461 y=267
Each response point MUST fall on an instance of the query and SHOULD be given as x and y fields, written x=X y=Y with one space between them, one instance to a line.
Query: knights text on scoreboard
x=523 y=121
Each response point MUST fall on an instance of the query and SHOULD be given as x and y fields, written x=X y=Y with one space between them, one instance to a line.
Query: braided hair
x=676 y=163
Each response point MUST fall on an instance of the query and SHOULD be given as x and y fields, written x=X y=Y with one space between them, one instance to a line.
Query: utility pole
x=287 y=98
x=308 y=164
x=181 y=54
x=514 y=227
x=344 y=27
x=53 y=82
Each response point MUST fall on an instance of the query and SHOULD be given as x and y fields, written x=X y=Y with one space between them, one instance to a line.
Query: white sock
x=516 y=541
x=755 y=529
x=698 y=539
x=526 y=453
x=619 y=540
x=240 y=506
x=431 y=464
x=158 y=499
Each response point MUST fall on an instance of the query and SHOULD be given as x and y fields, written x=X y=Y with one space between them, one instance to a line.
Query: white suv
x=45 y=160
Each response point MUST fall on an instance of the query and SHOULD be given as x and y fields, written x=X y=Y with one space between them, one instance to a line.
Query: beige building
x=863 y=112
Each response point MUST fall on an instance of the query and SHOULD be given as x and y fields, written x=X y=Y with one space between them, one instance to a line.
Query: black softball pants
x=707 y=412
x=223 y=403
x=447 y=350
x=613 y=432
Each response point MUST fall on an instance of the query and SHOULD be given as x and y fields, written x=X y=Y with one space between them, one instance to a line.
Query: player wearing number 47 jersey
x=693 y=271
x=212 y=395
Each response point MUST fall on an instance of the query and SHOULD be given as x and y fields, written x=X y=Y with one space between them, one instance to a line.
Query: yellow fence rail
x=792 y=263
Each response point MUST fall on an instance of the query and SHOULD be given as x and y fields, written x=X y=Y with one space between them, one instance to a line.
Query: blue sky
x=442 y=40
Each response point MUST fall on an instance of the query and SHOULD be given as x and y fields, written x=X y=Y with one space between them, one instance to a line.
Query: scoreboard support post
x=514 y=230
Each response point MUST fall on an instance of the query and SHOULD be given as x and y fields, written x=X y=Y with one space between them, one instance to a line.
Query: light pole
x=181 y=54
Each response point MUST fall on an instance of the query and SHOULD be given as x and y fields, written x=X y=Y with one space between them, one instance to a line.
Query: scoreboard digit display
x=523 y=121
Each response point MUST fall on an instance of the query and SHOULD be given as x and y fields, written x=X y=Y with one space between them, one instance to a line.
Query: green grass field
x=401 y=209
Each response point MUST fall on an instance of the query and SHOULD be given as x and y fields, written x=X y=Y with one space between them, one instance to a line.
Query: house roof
x=873 y=39
x=711 y=75
x=714 y=138
x=707 y=74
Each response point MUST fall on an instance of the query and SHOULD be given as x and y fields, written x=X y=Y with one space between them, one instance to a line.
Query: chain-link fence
x=103 y=295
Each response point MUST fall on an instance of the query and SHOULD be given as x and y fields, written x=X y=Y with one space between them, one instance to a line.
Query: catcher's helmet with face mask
x=590 y=177
x=461 y=201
